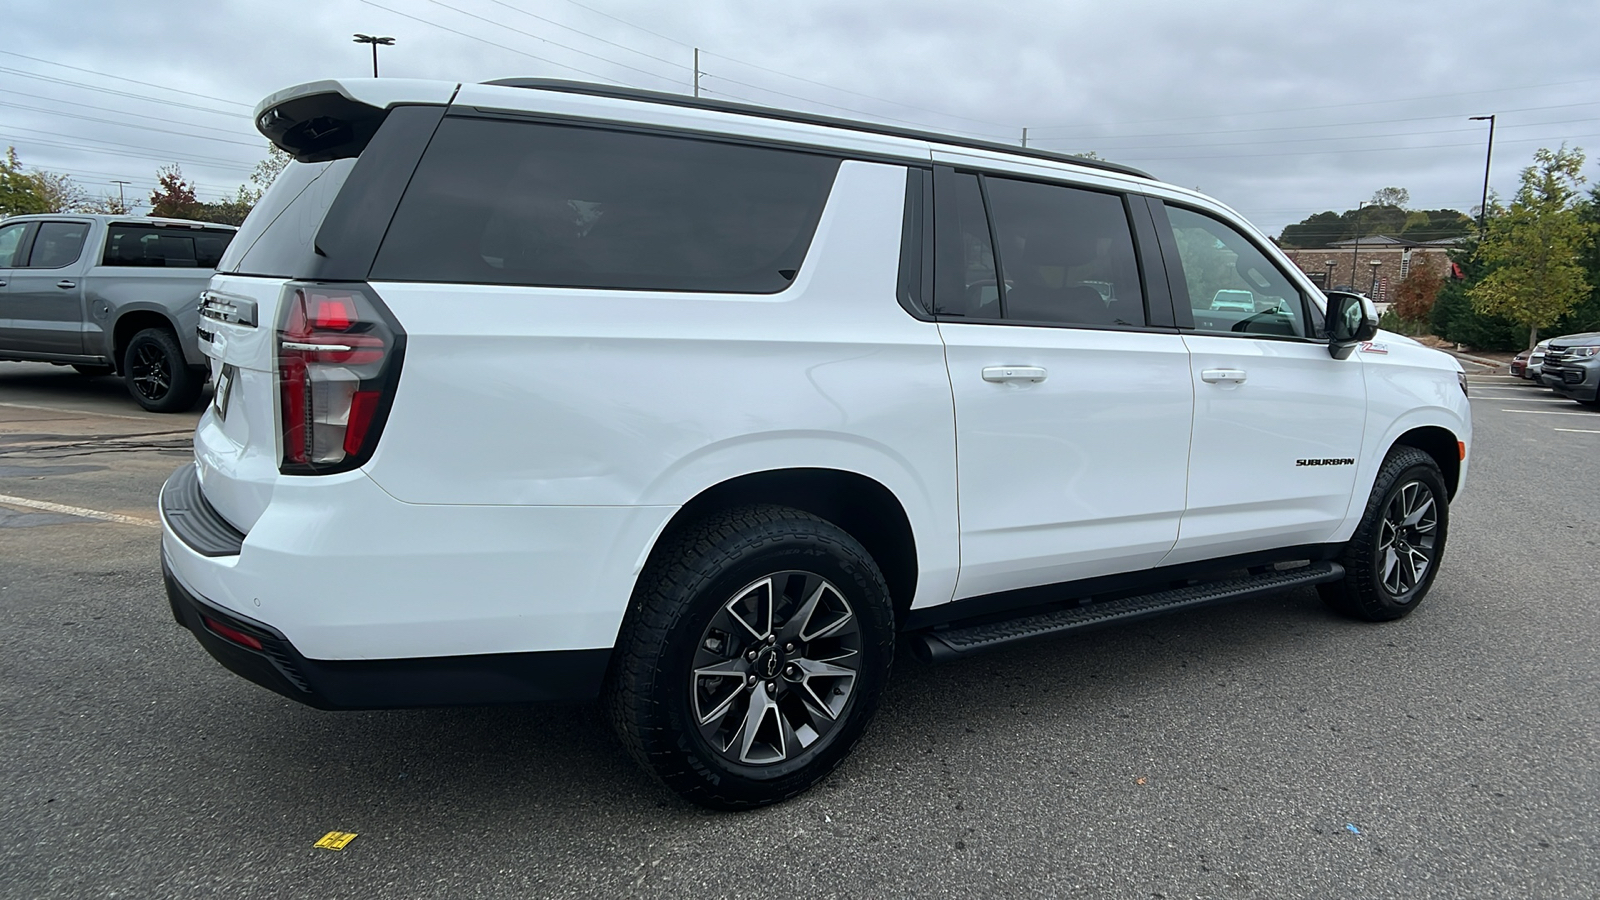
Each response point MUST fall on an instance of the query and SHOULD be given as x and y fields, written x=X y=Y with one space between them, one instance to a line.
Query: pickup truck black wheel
x=753 y=656
x=1391 y=561
x=157 y=374
x=93 y=371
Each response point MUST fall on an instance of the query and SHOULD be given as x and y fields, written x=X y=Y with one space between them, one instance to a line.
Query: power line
x=233 y=131
x=553 y=43
x=1269 y=112
x=489 y=42
x=1572 y=137
x=856 y=93
x=674 y=63
x=53 y=138
x=1341 y=137
x=1408 y=119
x=105 y=90
x=68 y=115
x=129 y=80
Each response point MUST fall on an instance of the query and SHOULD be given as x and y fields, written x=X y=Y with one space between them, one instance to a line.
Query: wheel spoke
x=762 y=707
x=753 y=609
x=1415 y=515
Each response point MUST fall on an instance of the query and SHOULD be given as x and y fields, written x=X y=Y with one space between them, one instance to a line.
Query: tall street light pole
x=374 y=40
x=1483 y=208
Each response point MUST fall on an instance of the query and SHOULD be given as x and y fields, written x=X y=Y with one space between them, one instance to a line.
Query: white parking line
x=80 y=412
x=78 y=511
x=1546 y=412
x=1523 y=400
x=1579 y=430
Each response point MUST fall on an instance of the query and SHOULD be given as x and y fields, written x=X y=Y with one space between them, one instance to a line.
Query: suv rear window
x=503 y=202
x=153 y=245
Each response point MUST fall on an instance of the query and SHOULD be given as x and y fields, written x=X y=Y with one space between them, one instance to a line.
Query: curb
x=1487 y=363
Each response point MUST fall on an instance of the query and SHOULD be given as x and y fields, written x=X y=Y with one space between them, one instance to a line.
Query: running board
x=946 y=644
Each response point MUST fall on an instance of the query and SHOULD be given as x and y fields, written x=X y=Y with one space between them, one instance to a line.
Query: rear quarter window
x=506 y=202
x=165 y=246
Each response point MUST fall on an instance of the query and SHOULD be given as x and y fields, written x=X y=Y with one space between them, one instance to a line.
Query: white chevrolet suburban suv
x=538 y=390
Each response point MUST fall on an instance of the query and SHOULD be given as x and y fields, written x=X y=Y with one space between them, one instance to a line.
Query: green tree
x=1532 y=248
x=1391 y=196
x=20 y=192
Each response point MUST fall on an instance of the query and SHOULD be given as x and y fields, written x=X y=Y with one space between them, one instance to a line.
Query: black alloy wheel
x=157 y=374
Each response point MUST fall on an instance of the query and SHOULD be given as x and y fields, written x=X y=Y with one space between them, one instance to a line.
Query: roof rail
x=785 y=115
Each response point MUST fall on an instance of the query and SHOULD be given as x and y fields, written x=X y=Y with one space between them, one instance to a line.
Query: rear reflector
x=232 y=634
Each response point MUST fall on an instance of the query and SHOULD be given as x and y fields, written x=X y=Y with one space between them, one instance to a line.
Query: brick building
x=1394 y=257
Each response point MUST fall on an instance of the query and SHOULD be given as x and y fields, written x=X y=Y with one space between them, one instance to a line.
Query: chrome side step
x=947 y=643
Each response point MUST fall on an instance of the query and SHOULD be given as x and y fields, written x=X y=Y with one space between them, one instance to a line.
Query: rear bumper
x=549 y=676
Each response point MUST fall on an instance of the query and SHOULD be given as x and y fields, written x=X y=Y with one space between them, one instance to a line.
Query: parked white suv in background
x=535 y=390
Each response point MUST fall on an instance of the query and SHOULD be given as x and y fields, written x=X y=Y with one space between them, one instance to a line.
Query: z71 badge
x=1374 y=347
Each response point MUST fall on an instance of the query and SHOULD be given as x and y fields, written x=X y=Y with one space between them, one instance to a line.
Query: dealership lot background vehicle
x=1572 y=367
x=556 y=389
x=110 y=295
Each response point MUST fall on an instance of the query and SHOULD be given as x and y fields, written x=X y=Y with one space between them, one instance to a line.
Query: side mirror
x=1351 y=319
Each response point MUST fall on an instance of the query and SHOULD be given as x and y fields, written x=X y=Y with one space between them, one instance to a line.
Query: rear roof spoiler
x=324 y=120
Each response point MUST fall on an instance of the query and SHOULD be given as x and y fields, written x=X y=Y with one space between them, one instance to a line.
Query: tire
x=720 y=634
x=1403 y=529
x=157 y=375
x=94 y=371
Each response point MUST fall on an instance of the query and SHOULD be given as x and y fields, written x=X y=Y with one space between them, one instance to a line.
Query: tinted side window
x=145 y=245
x=1066 y=254
x=58 y=244
x=498 y=202
x=966 y=272
x=10 y=239
x=1233 y=288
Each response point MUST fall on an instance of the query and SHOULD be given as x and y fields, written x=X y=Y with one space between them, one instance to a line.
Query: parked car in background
x=110 y=295
x=1572 y=367
x=1535 y=360
x=1519 y=364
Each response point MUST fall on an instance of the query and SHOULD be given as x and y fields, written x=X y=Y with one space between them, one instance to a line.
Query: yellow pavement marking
x=78 y=511
x=335 y=840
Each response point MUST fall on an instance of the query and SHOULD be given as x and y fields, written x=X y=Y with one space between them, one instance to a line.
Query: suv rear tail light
x=339 y=353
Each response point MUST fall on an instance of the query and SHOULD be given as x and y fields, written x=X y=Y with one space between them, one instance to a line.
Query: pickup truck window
x=10 y=237
x=58 y=244
x=145 y=245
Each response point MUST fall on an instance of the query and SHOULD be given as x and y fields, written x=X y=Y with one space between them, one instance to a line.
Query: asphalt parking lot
x=1263 y=749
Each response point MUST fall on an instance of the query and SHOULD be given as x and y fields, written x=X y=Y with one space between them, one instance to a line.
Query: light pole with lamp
x=1483 y=208
x=375 y=41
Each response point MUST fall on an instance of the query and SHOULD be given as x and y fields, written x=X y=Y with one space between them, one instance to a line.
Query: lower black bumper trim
x=552 y=676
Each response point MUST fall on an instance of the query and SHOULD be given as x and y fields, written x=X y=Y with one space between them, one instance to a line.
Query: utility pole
x=1024 y=135
x=374 y=40
x=121 y=203
x=1483 y=208
x=1355 y=250
x=697 y=71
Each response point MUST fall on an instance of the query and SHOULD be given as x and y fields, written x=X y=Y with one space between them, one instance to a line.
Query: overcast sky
x=1280 y=109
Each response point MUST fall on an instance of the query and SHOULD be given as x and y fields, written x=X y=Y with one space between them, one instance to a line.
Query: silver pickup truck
x=110 y=295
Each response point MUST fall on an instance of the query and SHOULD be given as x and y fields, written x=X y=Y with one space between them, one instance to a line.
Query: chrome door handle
x=1003 y=374
x=65 y=284
x=1224 y=376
